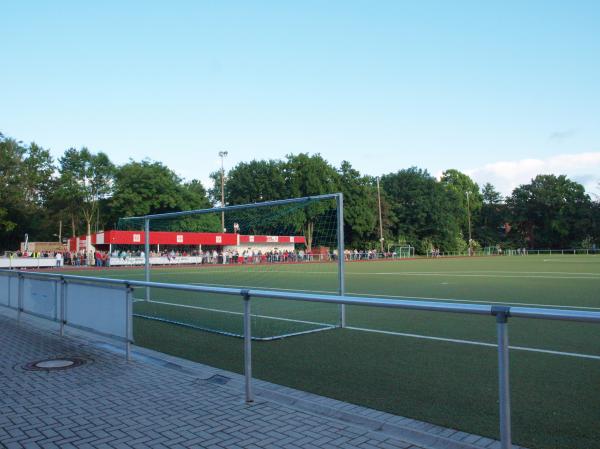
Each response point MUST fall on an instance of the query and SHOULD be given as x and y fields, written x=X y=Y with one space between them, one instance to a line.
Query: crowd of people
x=213 y=256
x=256 y=256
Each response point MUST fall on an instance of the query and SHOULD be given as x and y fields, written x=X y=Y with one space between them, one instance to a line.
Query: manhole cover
x=54 y=364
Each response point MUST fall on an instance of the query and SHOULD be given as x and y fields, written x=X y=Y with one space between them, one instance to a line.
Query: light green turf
x=556 y=398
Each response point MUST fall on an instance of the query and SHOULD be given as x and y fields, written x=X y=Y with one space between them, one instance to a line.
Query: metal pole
x=214 y=210
x=341 y=265
x=63 y=301
x=222 y=155
x=380 y=221
x=469 y=219
x=147 y=255
x=128 y=323
x=247 y=347
x=20 y=297
x=56 y=299
x=502 y=314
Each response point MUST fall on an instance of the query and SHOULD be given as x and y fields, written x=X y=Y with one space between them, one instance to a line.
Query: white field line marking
x=478 y=275
x=503 y=272
x=208 y=309
x=477 y=343
x=477 y=301
x=571 y=261
x=591 y=276
x=400 y=334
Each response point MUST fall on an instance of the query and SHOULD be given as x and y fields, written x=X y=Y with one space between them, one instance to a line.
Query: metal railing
x=107 y=311
x=28 y=262
x=500 y=313
x=519 y=252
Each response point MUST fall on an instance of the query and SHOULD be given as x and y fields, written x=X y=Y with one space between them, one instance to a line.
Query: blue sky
x=501 y=90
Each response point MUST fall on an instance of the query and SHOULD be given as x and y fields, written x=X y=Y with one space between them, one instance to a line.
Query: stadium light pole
x=380 y=220
x=222 y=155
x=469 y=220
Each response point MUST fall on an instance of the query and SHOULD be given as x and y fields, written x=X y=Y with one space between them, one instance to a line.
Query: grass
x=555 y=398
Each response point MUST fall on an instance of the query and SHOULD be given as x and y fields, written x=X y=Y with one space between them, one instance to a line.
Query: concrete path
x=160 y=401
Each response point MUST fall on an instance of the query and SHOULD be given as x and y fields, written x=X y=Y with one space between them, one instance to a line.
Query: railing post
x=56 y=300
x=341 y=255
x=63 y=305
x=20 y=297
x=502 y=313
x=147 y=255
x=128 y=323
x=247 y=347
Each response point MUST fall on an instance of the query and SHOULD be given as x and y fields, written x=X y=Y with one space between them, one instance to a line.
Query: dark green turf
x=556 y=399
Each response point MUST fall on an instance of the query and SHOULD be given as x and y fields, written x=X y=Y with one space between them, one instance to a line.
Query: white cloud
x=506 y=175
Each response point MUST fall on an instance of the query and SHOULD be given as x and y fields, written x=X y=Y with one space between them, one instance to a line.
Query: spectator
x=59 y=260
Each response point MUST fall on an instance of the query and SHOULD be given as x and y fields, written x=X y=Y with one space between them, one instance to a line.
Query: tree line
x=86 y=192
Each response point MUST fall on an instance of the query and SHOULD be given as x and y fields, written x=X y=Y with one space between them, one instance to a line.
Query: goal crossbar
x=338 y=197
x=212 y=210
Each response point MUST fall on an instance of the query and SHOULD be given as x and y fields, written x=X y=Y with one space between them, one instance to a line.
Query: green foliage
x=85 y=179
x=467 y=200
x=253 y=182
x=146 y=187
x=360 y=206
x=86 y=188
x=551 y=211
x=25 y=184
x=423 y=209
x=489 y=225
x=296 y=176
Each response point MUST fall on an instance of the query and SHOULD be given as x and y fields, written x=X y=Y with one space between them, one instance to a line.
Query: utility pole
x=60 y=231
x=380 y=220
x=222 y=155
x=469 y=219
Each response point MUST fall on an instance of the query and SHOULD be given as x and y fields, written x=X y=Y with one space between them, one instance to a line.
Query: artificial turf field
x=390 y=364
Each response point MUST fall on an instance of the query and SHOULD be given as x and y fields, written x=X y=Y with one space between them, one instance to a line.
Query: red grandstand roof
x=184 y=238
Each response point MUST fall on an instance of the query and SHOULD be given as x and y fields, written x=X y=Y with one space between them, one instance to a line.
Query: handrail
x=501 y=312
x=60 y=298
x=408 y=303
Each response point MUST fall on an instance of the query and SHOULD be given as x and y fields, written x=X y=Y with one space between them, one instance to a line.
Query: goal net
x=289 y=245
x=402 y=251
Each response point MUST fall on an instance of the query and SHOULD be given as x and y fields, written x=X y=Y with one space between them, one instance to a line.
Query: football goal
x=402 y=251
x=286 y=245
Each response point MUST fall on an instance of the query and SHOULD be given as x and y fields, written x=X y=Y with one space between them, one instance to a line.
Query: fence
x=85 y=297
x=27 y=262
x=102 y=308
x=520 y=252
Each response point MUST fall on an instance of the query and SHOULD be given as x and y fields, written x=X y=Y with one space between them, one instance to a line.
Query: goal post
x=270 y=245
x=402 y=251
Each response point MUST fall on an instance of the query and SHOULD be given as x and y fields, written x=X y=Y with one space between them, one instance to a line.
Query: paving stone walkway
x=111 y=403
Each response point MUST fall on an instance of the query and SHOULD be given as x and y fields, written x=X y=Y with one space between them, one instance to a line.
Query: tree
x=146 y=187
x=264 y=180
x=491 y=220
x=252 y=182
x=552 y=211
x=307 y=175
x=25 y=183
x=467 y=199
x=360 y=206
x=85 y=179
x=423 y=209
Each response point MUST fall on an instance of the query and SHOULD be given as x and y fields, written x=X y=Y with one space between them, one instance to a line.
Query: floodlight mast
x=469 y=219
x=222 y=155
